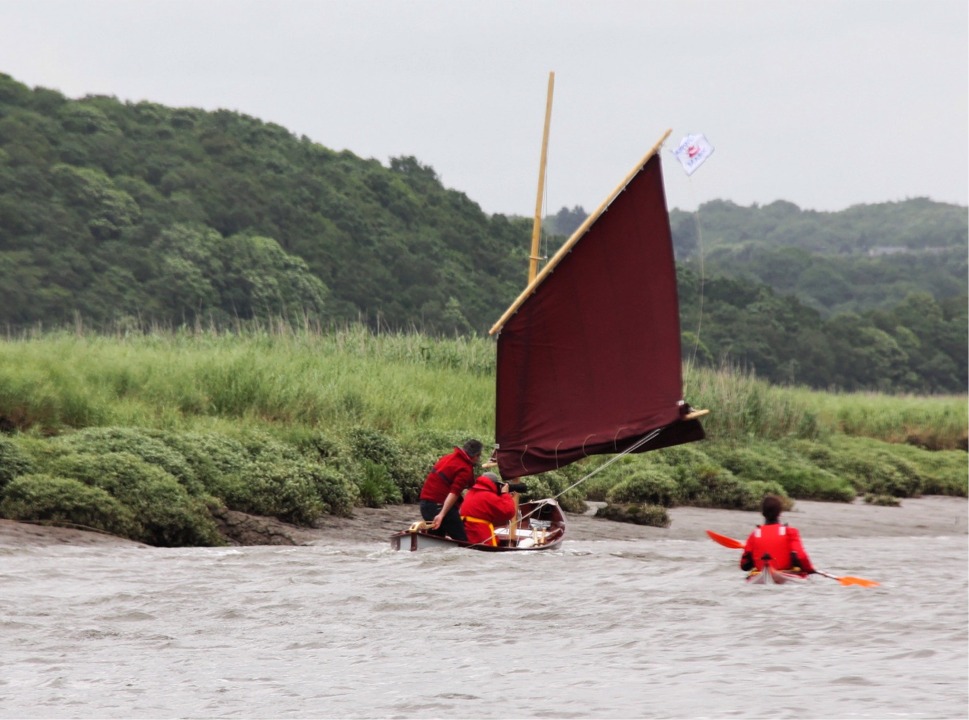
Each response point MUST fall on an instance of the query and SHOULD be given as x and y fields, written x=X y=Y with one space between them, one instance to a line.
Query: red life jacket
x=483 y=508
x=778 y=542
x=451 y=474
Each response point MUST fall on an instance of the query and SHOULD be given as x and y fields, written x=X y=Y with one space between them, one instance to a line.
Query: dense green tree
x=565 y=221
x=863 y=258
x=136 y=212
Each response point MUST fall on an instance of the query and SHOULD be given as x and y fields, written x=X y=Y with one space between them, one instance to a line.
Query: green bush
x=886 y=500
x=281 y=488
x=653 y=486
x=941 y=472
x=416 y=462
x=781 y=464
x=652 y=515
x=316 y=445
x=67 y=501
x=702 y=481
x=709 y=485
x=375 y=485
x=375 y=446
x=13 y=461
x=752 y=460
x=212 y=457
x=371 y=447
x=438 y=443
x=880 y=468
x=556 y=484
x=690 y=455
x=870 y=468
x=168 y=515
x=889 y=475
x=138 y=443
x=697 y=483
x=759 y=490
x=261 y=446
x=607 y=473
x=339 y=495
x=726 y=490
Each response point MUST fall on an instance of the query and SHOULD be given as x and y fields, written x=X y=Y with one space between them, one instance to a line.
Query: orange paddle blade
x=725 y=541
x=848 y=580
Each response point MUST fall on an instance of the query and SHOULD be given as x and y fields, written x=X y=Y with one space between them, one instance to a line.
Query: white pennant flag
x=692 y=151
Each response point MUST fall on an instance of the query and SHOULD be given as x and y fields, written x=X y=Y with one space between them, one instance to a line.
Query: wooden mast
x=537 y=225
x=534 y=257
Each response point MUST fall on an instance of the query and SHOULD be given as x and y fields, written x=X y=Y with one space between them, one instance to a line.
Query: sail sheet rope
x=631 y=449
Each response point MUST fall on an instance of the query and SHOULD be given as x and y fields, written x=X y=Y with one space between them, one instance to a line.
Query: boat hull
x=542 y=528
x=770 y=576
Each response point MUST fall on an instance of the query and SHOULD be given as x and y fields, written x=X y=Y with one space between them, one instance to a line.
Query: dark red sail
x=590 y=362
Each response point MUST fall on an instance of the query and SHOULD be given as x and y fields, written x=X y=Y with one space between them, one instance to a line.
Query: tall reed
x=279 y=375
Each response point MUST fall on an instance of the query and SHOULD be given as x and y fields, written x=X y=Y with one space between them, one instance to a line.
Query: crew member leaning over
x=440 y=497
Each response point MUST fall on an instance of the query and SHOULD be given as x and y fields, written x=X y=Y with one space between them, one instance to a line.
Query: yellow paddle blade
x=725 y=541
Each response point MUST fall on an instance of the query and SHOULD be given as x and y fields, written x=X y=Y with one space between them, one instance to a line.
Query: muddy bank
x=928 y=516
x=933 y=516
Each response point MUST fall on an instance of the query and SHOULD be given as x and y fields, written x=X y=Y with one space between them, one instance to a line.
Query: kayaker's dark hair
x=771 y=508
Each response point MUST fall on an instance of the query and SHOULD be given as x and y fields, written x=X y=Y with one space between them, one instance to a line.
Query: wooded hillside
x=122 y=214
x=863 y=258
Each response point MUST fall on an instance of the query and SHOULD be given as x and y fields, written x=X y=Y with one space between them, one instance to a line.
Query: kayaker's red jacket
x=782 y=543
x=451 y=474
x=483 y=509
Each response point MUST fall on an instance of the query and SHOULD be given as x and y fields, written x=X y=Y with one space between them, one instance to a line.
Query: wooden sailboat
x=541 y=527
x=589 y=354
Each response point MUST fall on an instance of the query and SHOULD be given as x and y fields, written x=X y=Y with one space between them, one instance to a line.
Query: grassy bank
x=151 y=436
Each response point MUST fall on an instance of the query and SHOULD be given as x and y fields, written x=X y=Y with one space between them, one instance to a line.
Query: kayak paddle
x=725 y=541
x=848 y=580
x=737 y=545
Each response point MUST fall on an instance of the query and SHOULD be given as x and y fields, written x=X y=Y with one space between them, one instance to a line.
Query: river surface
x=607 y=629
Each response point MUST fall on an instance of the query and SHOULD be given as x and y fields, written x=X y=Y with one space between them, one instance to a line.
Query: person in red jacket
x=486 y=505
x=779 y=545
x=440 y=497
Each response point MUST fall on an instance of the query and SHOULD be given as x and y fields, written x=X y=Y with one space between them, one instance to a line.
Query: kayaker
x=778 y=544
x=486 y=504
x=440 y=496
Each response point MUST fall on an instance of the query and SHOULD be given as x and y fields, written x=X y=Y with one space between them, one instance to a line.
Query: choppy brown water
x=601 y=629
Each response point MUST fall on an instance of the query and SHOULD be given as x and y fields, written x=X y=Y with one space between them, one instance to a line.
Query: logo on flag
x=692 y=151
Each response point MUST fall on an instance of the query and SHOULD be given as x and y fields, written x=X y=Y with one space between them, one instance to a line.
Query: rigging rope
x=424 y=525
x=543 y=238
x=631 y=449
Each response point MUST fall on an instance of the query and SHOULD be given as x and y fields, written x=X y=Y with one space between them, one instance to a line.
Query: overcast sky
x=826 y=104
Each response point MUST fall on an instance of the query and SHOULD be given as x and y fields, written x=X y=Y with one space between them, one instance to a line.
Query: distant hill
x=135 y=210
x=129 y=214
x=863 y=258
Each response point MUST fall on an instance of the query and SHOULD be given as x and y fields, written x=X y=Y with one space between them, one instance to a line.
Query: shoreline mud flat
x=932 y=516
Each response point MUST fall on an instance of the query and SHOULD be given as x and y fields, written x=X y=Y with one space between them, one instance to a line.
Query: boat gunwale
x=559 y=532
